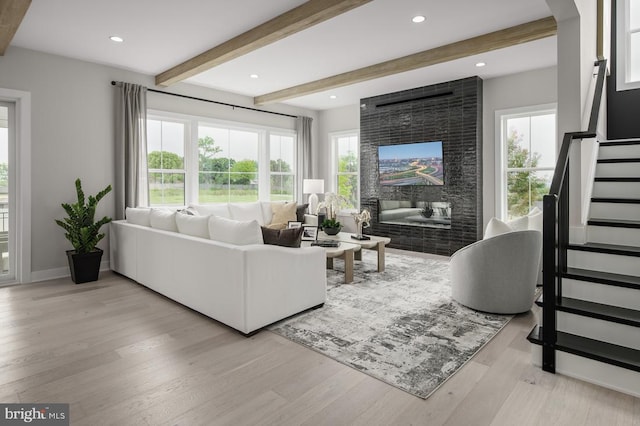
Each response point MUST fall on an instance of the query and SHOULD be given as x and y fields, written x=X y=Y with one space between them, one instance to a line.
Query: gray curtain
x=131 y=186
x=303 y=129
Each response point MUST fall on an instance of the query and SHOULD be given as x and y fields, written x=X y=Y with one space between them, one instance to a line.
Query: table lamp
x=313 y=187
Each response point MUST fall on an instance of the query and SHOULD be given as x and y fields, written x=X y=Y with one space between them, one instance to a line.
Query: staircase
x=597 y=290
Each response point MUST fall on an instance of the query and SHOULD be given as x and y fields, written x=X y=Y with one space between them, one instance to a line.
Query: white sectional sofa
x=243 y=286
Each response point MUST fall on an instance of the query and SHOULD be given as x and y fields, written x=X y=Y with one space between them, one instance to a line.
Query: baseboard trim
x=56 y=273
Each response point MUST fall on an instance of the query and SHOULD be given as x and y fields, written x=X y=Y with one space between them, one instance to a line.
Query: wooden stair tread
x=616 y=200
x=617 y=179
x=606 y=278
x=616 y=223
x=618 y=160
x=596 y=310
x=606 y=248
x=620 y=142
x=593 y=349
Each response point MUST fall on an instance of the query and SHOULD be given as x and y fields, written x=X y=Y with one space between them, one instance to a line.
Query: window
x=166 y=161
x=526 y=157
x=346 y=166
x=628 y=44
x=282 y=167
x=201 y=161
x=228 y=164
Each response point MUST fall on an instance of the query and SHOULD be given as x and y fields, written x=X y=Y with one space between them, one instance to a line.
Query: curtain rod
x=115 y=83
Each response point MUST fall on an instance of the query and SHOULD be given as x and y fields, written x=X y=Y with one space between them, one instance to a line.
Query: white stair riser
x=596 y=329
x=616 y=264
x=624 y=211
x=601 y=293
x=614 y=235
x=596 y=372
x=616 y=190
x=618 y=170
x=619 y=151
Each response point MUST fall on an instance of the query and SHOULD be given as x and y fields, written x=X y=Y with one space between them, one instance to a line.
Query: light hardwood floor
x=121 y=354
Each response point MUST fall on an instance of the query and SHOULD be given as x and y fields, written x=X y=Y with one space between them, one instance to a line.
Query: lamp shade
x=313 y=186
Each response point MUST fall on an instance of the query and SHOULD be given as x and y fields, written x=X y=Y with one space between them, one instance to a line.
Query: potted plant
x=331 y=226
x=84 y=233
x=332 y=204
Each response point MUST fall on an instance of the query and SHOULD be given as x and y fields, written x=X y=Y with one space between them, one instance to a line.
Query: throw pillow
x=519 y=223
x=246 y=211
x=234 y=231
x=196 y=226
x=163 y=219
x=496 y=227
x=138 y=215
x=283 y=214
x=301 y=210
x=220 y=209
x=283 y=237
x=535 y=219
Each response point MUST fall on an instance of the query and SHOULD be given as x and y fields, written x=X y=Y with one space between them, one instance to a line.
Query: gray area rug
x=400 y=326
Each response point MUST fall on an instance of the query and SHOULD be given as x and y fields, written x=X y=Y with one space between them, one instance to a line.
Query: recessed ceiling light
x=254 y=76
x=419 y=18
x=116 y=39
x=480 y=64
x=332 y=97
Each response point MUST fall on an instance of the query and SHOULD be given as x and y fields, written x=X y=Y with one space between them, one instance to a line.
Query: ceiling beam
x=11 y=14
x=297 y=19
x=523 y=33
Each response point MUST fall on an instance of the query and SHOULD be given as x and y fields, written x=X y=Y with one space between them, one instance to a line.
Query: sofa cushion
x=283 y=213
x=196 y=226
x=221 y=209
x=246 y=212
x=282 y=237
x=138 y=215
x=234 y=231
x=496 y=227
x=163 y=219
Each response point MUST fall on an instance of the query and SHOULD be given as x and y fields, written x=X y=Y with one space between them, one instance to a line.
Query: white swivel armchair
x=497 y=274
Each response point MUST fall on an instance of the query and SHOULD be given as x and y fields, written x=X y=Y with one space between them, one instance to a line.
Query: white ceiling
x=162 y=33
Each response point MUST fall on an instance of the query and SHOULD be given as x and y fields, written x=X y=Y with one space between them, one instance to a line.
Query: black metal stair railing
x=555 y=227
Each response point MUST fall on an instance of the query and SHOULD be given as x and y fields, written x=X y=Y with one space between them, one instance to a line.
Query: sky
x=411 y=150
x=4 y=146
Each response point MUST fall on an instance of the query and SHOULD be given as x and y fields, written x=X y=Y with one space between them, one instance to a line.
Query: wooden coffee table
x=374 y=243
x=346 y=251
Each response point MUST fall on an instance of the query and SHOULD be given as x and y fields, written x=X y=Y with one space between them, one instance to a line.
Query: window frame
x=191 y=160
x=501 y=169
x=335 y=161
x=623 y=47
x=173 y=118
x=294 y=168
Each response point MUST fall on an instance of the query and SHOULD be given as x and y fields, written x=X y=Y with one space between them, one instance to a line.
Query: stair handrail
x=555 y=226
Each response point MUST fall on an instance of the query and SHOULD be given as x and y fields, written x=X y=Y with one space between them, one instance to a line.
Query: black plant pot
x=84 y=267
x=332 y=231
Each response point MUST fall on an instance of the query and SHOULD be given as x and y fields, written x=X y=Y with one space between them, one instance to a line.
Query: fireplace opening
x=429 y=214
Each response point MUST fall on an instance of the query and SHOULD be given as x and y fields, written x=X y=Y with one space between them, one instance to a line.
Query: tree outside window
x=347 y=167
x=529 y=145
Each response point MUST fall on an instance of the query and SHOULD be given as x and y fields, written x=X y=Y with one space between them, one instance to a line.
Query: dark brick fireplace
x=448 y=112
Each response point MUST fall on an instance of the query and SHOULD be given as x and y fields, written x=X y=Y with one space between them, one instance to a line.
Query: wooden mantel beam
x=297 y=19
x=523 y=33
x=11 y=14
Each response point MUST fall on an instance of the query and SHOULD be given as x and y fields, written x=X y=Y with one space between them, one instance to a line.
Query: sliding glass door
x=7 y=135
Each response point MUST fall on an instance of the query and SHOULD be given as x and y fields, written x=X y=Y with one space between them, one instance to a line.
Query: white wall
x=330 y=121
x=524 y=89
x=73 y=130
